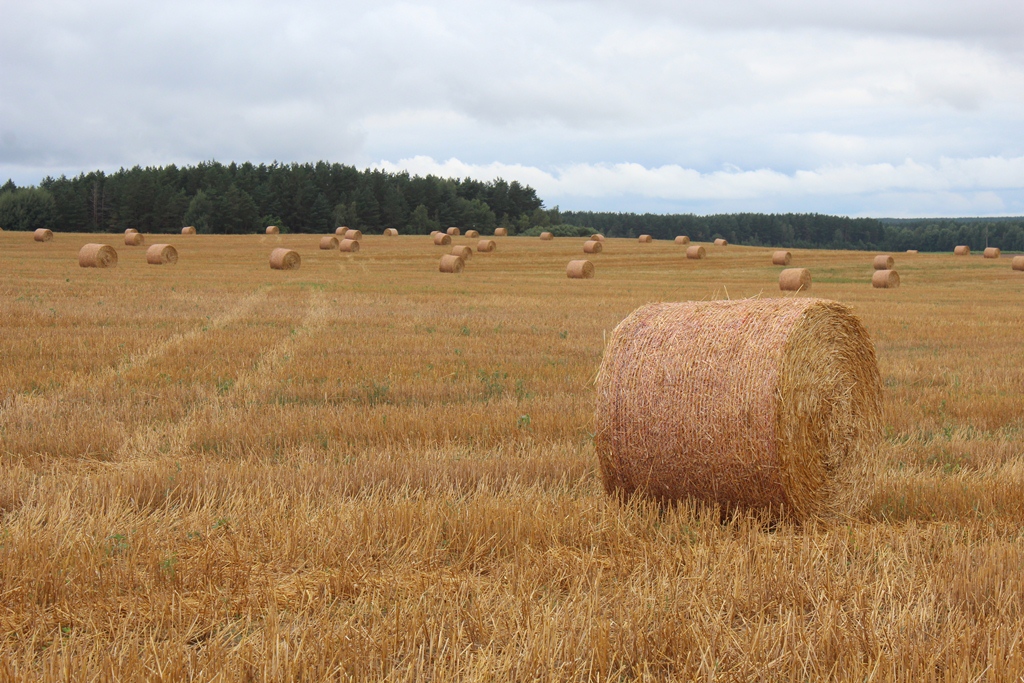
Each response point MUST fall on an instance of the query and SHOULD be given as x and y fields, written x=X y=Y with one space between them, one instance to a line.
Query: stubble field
x=367 y=469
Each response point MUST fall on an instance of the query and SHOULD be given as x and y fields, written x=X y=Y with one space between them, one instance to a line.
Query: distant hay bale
x=473 y=234
x=284 y=259
x=435 y=232
x=441 y=239
x=644 y=239
x=781 y=258
x=134 y=239
x=130 y=231
x=462 y=251
x=721 y=242
x=992 y=252
x=883 y=262
x=97 y=256
x=341 y=230
x=695 y=251
x=912 y=251
x=42 y=235
x=592 y=247
x=349 y=245
x=486 y=246
x=885 y=279
x=962 y=250
x=273 y=230
x=795 y=280
x=354 y=235
x=453 y=231
x=450 y=263
x=189 y=230
x=501 y=232
x=597 y=237
x=1017 y=263
x=547 y=236
x=328 y=242
x=580 y=269
x=760 y=404
x=682 y=239
x=390 y=232
x=160 y=254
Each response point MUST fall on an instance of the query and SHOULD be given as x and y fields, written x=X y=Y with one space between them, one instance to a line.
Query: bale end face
x=442 y=239
x=1017 y=263
x=42 y=235
x=486 y=246
x=883 y=262
x=329 y=242
x=450 y=263
x=160 y=254
x=349 y=246
x=273 y=230
x=795 y=280
x=592 y=247
x=580 y=269
x=695 y=252
x=546 y=236
x=97 y=256
x=962 y=250
x=885 y=279
x=721 y=242
x=682 y=239
x=285 y=259
x=501 y=232
x=781 y=258
x=462 y=251
x=455 y=232
x=992 y=252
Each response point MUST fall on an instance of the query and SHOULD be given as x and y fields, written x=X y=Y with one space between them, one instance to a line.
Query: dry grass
x=368 y=469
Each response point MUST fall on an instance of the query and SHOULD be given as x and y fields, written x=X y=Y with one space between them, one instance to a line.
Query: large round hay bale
x=597 y=237
x=188 y=230
x=695 y=251
x=885 y=279
x=781 y=258
x=134 y=239
x=795 y=280
x=348 y=245
x=883 y=262
x=284 y=259
x=592 y=247
x=453 y=231
x=42 y=235
x=450 y=263
x=756 y=403
x=341 y=230
x=547 y=236
x=580 y=269
x=644 y=239
x=442 y=239
x=354 y=235
x=912 y=252
x=992 y=252
x=463 y=251
x=501 y=232
x=1017 y=263
x=682 y=239
x=97 y=256
x=721 y=242
x=159 y=254
x=273 y=230
x=473 y=234
x=962 y=250
x=486 y=246
x=390 y=232
x=328 y=242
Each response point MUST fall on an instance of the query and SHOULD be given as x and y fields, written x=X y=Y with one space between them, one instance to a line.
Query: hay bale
x=97 y=256
x=462 y=251
x=546 y=236
x=885 y=279
x=962 y=250
x=450 y=263
x=992 y=252
x=134 y=239
x=781 y=258
x=188 y=230
x=329 y=242
x=721 y=242
x=441 y=239
x=435 y=232
x=390 y=232
x=795 y=280
x=354 y=235
x=644 y=239
x=284 y=259
x=159 y=254
x=273 y=230
x=350 y=246
x=130 y=231
x=682 y=239
x=454 y=232
x=42 y=235
x=883 y=262
x=472 y=234
x=341 y=230
x=1017 y=263
x=592 y=247
x=597 y=237
x=912 y=251
x=580 y=269
x=501 y=232
x=761 y=404
x=486 y=246
x=695 y=251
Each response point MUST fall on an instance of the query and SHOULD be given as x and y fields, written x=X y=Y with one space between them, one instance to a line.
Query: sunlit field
x=367 y=469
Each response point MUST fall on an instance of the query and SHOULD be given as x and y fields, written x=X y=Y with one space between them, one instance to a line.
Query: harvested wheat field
x=368 y=469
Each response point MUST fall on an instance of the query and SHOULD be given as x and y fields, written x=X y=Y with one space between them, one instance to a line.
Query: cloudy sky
x=860 y=107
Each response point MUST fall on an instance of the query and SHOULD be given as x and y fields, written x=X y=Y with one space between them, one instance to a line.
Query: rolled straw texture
x=473 y=234
x=795 y=280
x=721 y=242
x=441 y=239
x=97 y=256
x=42 y=235
x=592 y=247
x=597 y=237
x=580 y=269
x=962 y=250
x=547 y=236
x=273 y=230
x=644 y=239
x=455 y=232
x=1017 y=263
x=781 y=258
x=463 y=251
x=885 y=279
x=390 y=232
x=340 y=231
x=695 y=251
x=883 y=262
x=328 y=242
x=284 y=259
x=912 y=251
x=159 y=254
x=353 y=234
x=501 y=232
x=992 y=252
x=450 y=263
x=754 y=403
x=351 y=246
x=682 y=239
x=190 y=230
x=486 y=245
